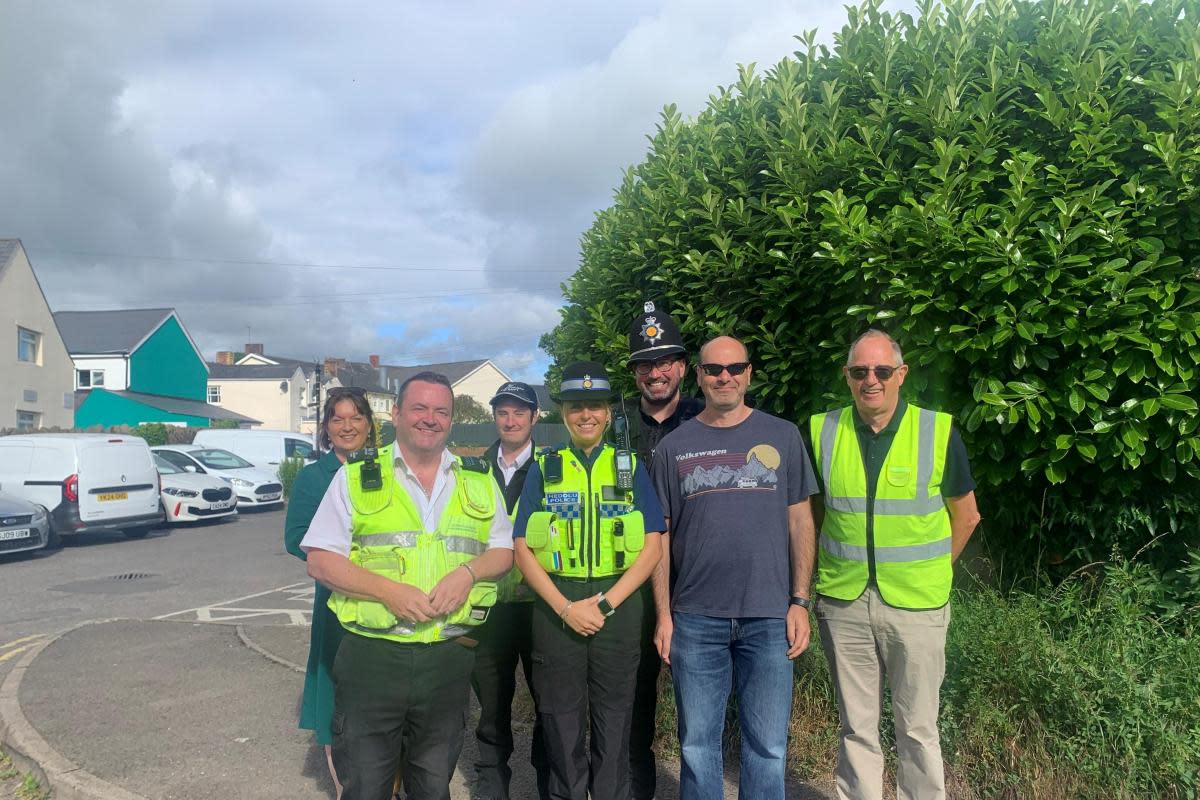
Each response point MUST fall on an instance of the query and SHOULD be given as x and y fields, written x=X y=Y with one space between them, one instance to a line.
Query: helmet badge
x=650 y=330
x=587 y=381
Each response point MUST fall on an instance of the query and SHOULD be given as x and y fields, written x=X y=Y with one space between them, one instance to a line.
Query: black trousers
x=398 y=706
x=505 y=639
x=642 y=771
x=586 y=684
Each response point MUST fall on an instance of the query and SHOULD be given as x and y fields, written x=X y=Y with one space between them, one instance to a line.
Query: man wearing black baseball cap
x=658 y=361
x=505 y=639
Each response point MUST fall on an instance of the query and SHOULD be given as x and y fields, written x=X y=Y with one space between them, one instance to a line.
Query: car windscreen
x=166 y=467
x=219 y=459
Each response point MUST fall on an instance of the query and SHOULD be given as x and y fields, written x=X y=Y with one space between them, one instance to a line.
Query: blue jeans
x=707 y=655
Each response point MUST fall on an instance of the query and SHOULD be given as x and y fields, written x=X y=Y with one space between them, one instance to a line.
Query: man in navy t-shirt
x=733 y=600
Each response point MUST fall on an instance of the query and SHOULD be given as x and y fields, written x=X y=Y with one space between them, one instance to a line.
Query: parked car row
x=56 y=485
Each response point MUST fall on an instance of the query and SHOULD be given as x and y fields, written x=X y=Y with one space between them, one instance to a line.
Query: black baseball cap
x=653 y=334
x=517 y=391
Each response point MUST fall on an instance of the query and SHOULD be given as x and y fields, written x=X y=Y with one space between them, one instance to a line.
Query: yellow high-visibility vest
x=911 y=542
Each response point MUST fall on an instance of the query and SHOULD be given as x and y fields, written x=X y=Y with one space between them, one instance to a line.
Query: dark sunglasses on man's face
x=715 y=370
x=882 y=373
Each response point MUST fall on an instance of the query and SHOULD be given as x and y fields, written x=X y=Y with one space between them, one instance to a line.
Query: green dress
x=316 y=711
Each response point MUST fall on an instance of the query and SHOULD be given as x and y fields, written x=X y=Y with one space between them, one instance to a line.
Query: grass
x=16 y=786
x=1084 y=691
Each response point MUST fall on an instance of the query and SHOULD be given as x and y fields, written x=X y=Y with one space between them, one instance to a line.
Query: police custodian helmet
x=653 y=335
x=584 y=380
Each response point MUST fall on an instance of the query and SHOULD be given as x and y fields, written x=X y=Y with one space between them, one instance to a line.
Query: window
x=180 y=460
x=297 y=448
x=28 y=420
x=214 y=394
x=89 y=378
x=29 y=345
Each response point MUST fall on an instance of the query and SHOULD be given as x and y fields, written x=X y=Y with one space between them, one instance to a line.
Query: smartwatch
x=606 y=608
x=803 y=602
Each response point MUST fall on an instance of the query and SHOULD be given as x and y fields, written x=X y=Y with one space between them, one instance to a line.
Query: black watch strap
x=803 y=602
x=606 y=608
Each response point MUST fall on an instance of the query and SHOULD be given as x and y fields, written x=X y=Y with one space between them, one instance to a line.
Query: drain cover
x=132 y=576
x=125 y=583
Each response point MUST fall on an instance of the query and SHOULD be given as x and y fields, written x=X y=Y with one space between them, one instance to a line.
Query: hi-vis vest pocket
x=479 y=602
x=900 y=475
x=537 y=529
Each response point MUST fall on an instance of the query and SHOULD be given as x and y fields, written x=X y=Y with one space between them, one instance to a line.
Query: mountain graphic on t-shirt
x=754 y=475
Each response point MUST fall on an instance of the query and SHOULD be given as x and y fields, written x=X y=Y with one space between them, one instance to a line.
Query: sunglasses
x=715 y=370
x=644 y=368
x=882 y=373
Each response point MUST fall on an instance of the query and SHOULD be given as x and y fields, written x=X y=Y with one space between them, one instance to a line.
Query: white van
x=264 y=449
x=87 y=481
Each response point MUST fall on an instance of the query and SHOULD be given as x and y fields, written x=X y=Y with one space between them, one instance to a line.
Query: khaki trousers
x=866 y=641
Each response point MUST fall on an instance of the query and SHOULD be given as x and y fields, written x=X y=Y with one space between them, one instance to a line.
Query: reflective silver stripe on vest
x=450 y=631
x=886 y=555
x=886 y=508
x=395 y=630
x=920 y=506
x=464 y=544
x=394 y=539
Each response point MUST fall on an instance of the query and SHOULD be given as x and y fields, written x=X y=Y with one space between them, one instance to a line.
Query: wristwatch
x=606 y=608
x=803 y=602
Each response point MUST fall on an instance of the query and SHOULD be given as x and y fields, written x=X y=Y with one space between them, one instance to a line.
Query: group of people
x=700 y=533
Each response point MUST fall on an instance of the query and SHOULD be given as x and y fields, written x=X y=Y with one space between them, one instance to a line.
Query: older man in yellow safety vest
x=897 y=507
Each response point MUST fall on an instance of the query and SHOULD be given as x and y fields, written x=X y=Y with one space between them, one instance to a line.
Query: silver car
x=23 y=526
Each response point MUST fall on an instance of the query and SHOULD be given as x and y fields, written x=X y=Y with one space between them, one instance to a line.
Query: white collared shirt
x=330 y=528
x=509 y=470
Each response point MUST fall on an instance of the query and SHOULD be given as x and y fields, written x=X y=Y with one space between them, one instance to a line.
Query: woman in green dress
x=348 y=426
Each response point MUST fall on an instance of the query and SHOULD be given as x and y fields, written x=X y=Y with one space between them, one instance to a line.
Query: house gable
x=167 y=363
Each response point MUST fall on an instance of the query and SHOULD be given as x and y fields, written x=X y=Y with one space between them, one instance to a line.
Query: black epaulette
x=475 y=464
x=545 y=451
x=362 y=455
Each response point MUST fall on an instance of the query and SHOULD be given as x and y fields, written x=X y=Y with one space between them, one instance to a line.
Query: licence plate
x=19 y=533
x=221 y=505
x=104 y=498
x=267 y=498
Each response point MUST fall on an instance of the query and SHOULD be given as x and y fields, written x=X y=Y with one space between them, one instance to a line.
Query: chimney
x=225 y=357
x=332 y=365
x=374 y=361
x=255 y=348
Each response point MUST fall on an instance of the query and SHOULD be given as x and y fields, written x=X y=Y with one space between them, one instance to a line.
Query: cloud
x=555 y=150
x=440 y=164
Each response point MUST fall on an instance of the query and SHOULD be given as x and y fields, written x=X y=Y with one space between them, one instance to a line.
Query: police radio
x=624 y=454
x=370 y=476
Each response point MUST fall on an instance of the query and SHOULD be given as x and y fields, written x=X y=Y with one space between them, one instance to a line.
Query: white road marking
x=238 y=609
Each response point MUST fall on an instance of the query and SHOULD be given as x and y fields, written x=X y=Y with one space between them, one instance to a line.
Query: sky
x=403 y=179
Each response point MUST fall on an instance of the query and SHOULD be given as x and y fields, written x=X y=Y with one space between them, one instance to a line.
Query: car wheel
x=136 y=533
x=53 y=540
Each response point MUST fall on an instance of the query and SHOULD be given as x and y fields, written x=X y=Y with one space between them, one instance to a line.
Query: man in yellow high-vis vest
x=410 y=541
x=896 y=509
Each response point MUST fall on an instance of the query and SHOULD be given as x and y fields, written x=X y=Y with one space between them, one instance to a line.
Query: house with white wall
x=36 y=387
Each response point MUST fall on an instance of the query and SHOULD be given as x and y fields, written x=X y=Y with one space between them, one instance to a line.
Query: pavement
x=129 y=709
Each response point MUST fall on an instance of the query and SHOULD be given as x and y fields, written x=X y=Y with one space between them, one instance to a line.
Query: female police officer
x=586 y=536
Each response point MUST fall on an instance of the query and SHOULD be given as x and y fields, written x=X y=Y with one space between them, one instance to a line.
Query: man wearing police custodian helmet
x=658 y=361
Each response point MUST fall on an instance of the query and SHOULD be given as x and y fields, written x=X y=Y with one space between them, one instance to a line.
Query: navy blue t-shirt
x=726 y=492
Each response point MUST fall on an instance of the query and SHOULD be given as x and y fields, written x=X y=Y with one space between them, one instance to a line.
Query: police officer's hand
x=798 y=630
x=662 y=637
x=451 y=592
x=409 y=603
x=584 y=616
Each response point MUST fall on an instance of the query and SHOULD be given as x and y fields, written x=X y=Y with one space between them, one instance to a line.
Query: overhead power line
x=300 y=264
